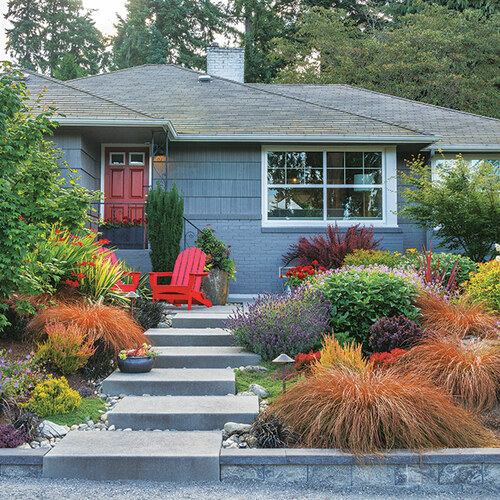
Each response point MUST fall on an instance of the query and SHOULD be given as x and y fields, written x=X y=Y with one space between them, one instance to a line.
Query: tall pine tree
x=167 y=31
x=45 y=31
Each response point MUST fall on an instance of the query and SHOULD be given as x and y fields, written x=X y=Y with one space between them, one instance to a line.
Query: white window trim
x=118 y=153
x=389 y=187
x=135 y=163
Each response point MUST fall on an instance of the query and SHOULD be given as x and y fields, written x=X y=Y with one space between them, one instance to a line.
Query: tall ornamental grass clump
x=276 y=324
x=376 y=410
x=165 y=222
x=359 y=296
x=467 y=370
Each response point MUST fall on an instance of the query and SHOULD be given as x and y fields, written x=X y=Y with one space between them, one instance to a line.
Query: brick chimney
x=226 y=62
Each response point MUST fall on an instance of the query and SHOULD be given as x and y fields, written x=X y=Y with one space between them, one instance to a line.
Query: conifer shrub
x=54 y=397
x=165 y=223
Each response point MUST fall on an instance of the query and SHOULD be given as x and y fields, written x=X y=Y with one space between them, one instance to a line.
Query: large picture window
x=324 y=185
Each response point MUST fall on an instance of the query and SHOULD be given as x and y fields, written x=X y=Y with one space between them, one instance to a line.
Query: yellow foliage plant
x=334 y=355
x=485 y=285
x=54 y=397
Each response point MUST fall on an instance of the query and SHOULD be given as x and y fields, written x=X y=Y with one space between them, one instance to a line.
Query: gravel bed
x=68 y=489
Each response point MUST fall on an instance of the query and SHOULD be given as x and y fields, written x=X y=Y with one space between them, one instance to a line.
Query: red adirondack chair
x=185 y=284
x=124 y=287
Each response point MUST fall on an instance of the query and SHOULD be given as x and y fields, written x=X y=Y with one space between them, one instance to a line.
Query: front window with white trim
x=474 y=161
x=323 y=185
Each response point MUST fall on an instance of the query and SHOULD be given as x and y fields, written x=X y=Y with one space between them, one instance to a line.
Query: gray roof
x=223 y=109
x=227 y=108
x=72 y=102
x=451 y=126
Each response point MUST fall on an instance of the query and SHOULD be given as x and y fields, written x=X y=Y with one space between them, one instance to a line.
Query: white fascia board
x=110 y=122
x=459 y=148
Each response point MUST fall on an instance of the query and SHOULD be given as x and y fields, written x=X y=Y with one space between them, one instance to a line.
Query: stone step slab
x=189 y=337
x=204 y=357
x=175 y=382
x=199 y=319
x=183 y=413
x=131 y=455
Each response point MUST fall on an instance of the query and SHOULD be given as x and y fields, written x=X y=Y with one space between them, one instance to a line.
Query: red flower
x=58 y=231
x=61 y=238
x=103 y=242
x=314 y=262
x=301 y=276
x=322 y=269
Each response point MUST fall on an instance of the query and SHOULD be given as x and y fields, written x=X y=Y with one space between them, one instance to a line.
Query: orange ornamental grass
x=376 y=410
x=112 y=325
x=460 y=317
x=469 y=370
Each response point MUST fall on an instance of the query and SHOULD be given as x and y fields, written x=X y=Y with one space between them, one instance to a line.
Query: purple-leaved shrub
x=396 y=332
x=276 y=324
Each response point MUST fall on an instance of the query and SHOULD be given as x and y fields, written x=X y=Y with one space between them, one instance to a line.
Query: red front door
x=126 y=179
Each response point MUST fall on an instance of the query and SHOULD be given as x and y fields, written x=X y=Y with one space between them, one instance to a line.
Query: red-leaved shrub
x=375 y=410
x=303 y=361
x=386 y=359
x=331 y=250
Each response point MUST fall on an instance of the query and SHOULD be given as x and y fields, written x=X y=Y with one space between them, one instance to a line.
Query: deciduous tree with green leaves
x=45 y=31
x=459 y=204
x=32 y=191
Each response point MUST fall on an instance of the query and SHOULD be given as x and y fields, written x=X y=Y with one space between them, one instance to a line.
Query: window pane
x=373 y=160
x=335 y=176
x=354 y=159
x=117 y=158
x=276 y=168
x=335 y=160
x=373 y=176
x=354 y=176
x=354 y=203
x=295 y=203
x=137 y=158
x=304 y=168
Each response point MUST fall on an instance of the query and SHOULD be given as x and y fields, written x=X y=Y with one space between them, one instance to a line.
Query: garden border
x=18 y=462
x=476 y=468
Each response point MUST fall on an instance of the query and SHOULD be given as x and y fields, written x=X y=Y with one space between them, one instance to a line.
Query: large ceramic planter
x=139 y=364
x=216 y=287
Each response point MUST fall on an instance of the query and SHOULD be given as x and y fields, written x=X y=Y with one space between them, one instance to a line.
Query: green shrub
x=363 y=257
x=485 y=285
x=446 y=261
x=165 y=221
x=54 y=397
x=359 y=297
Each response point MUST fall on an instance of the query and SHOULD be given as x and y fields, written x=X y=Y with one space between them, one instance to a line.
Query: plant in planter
x=140 y=360
x=124 y=233
x=219 y=264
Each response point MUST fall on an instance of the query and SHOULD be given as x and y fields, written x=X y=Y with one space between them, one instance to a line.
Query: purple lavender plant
x=276 y=324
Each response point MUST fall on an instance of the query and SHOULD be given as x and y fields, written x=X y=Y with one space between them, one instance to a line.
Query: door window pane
x=354 y=203
x=136 y=159
x=117 y=158
x=295 y=203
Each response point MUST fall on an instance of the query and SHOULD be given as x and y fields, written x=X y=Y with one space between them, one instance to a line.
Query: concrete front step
x=158 y=456
x=204 y=357
x=183 y=413
x=175 y=382
x=205 y=318
x=189 y=337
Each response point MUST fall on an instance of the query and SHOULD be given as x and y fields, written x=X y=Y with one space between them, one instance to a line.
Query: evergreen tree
x=167 y=31
x=43 y=32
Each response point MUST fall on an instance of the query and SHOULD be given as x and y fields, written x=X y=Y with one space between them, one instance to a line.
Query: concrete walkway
x=188 y=396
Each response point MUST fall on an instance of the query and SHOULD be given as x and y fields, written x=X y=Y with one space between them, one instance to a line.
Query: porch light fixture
x=283 y=360
x=132 y=296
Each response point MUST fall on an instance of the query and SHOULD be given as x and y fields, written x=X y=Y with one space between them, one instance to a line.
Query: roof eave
x=462 y=148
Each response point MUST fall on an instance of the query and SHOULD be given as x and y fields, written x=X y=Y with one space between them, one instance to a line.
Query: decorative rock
x=35 y=444
x=234 y=445
x=90 y=423
x=243 y=445
x=83 y=426
x=254 y=369
x=24 y=446
x=104 y=417
x=245 y=393
x=128 y=429
x=258 y=390
x=74 y=427
x=252 y=441
x=111 y=428
x=45 y=443
x=103 y=396
x=48 y=429
x=231 y=428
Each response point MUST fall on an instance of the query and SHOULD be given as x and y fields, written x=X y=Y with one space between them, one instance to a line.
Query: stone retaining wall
x=476 y=468
x=16 y=462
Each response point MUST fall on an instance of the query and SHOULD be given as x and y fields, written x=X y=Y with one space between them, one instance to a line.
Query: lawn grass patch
x=271 y=380
x=89 y=408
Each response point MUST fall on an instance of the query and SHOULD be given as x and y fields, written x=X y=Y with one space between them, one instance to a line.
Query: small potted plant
x=220 y=266
x=140 y=360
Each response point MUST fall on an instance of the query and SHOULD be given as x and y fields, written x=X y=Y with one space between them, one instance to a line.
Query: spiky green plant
x=165 y=222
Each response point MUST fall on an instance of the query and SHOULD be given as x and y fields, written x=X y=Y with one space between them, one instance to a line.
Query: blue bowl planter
x=136 y=364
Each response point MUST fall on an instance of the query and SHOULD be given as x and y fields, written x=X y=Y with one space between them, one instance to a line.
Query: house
x=262 y=164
